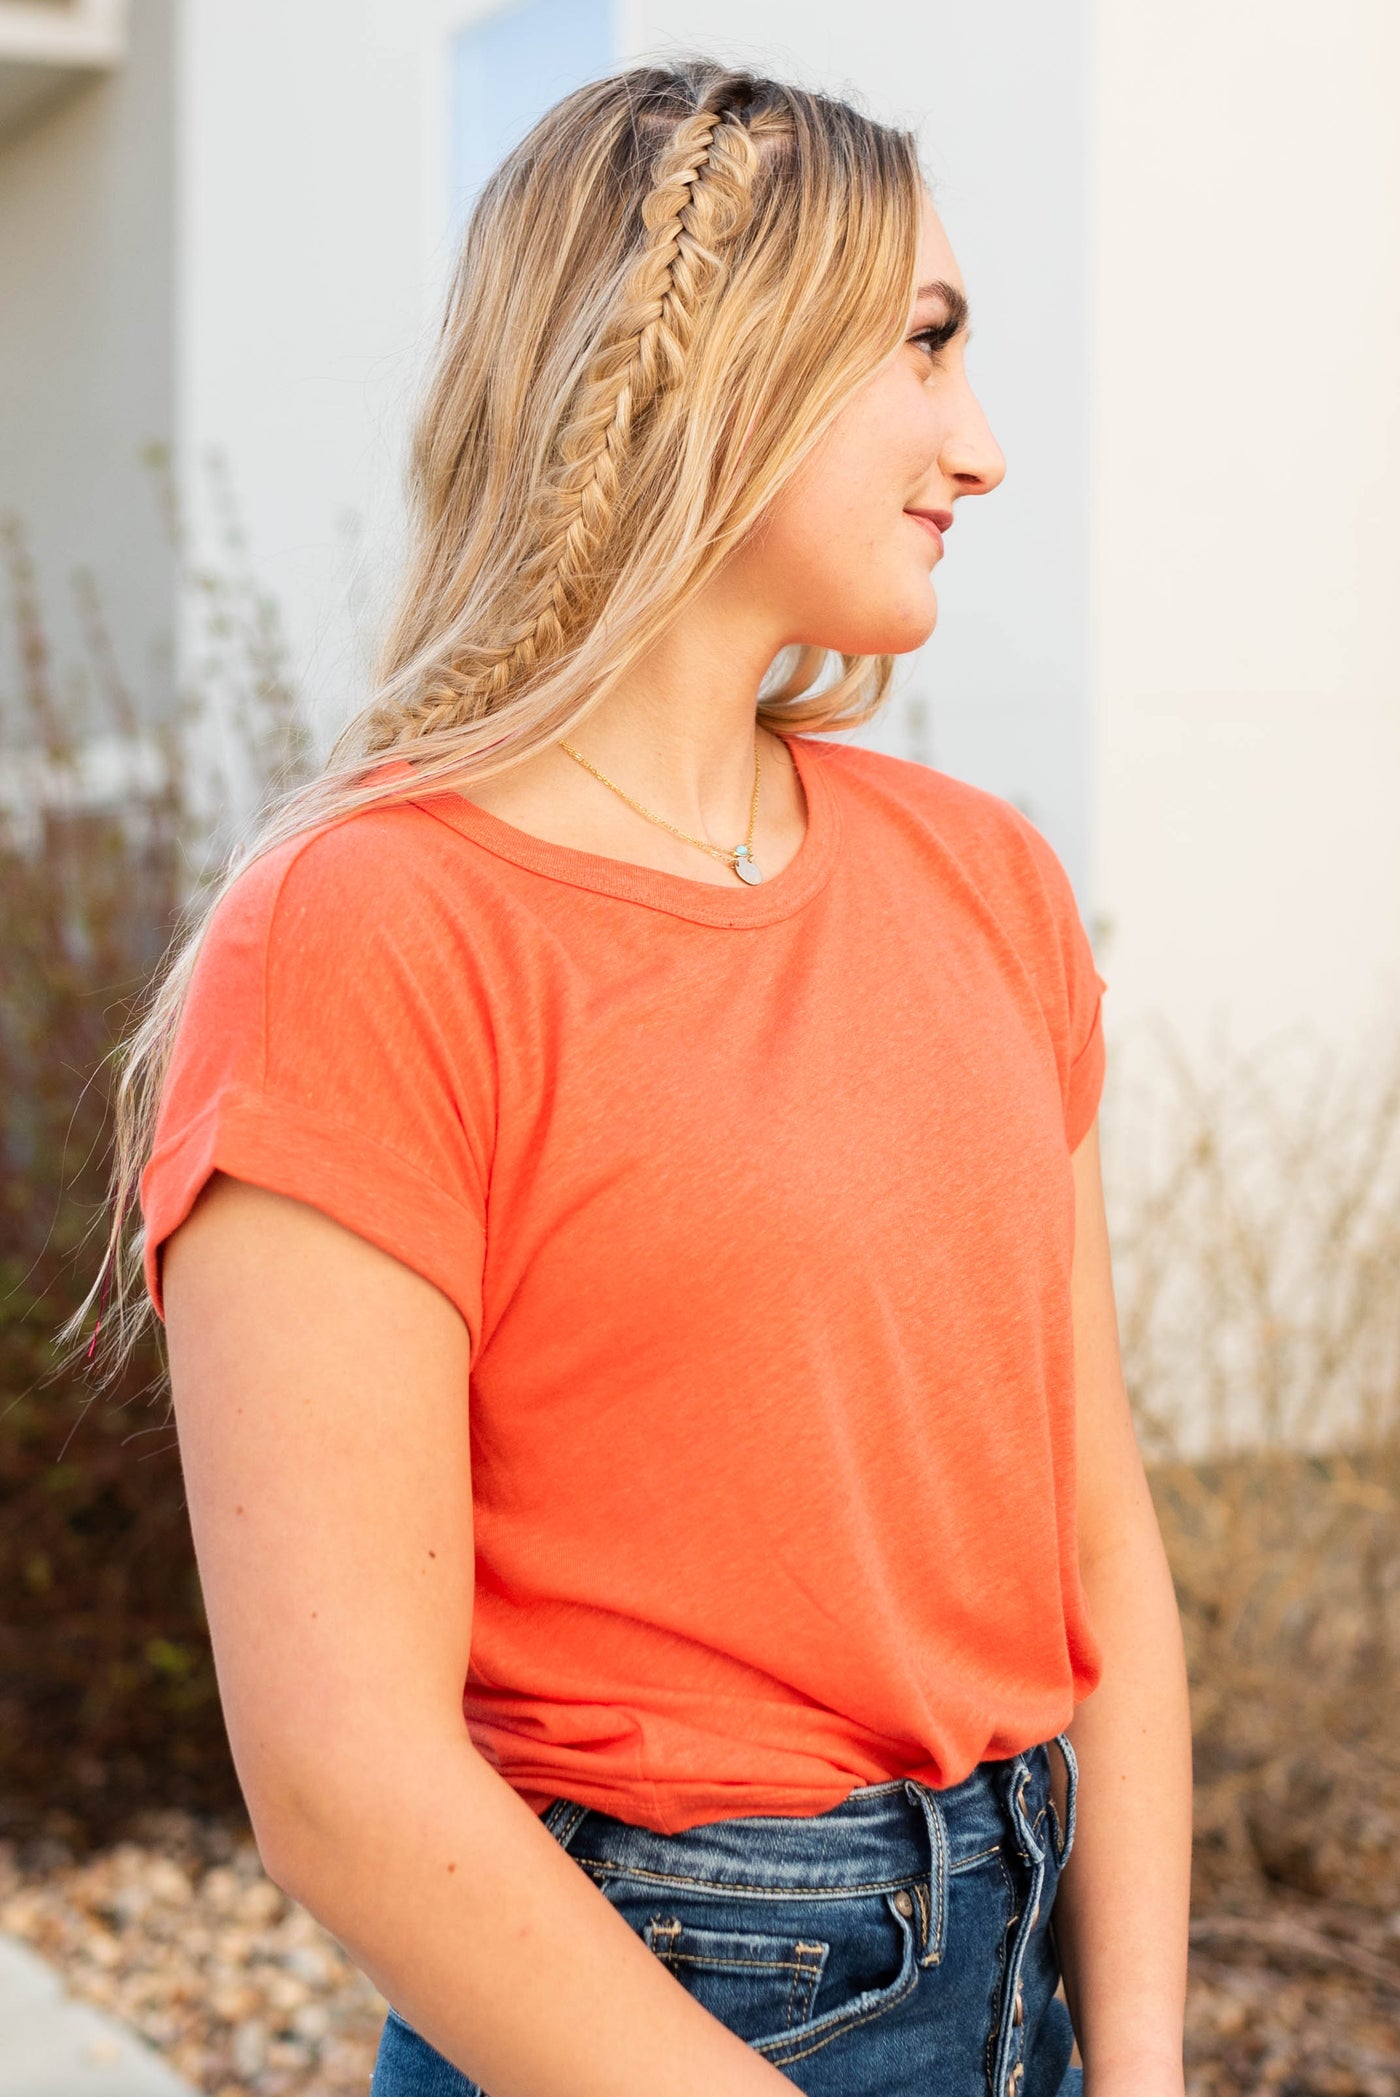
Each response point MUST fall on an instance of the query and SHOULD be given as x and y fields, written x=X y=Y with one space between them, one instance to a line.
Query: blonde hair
x=664 y=296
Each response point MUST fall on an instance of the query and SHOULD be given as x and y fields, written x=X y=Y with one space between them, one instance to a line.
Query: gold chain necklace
x=740 y=858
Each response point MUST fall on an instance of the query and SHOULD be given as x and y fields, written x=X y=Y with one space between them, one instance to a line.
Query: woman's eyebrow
x=954 y=299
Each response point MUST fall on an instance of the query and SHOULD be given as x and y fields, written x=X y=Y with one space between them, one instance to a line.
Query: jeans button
x=904 y=1901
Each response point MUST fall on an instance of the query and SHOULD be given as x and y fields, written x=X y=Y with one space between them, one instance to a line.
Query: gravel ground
x=178 y=1932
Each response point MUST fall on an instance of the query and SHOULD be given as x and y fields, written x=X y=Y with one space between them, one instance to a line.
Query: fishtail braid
x=700 y=200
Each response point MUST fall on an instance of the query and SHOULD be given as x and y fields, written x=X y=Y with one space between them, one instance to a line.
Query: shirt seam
x=1088 y=1043
x=263 y=1027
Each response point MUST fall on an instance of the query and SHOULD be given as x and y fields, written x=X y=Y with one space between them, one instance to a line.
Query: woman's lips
x=928 y=525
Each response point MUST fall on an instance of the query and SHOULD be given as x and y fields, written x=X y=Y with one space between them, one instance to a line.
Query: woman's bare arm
x=1121 y=1911
x=320 y=1392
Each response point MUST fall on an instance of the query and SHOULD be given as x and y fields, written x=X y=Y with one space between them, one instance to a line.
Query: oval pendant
x=745 y=867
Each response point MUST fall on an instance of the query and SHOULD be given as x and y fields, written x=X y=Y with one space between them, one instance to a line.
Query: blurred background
x=1173 y=639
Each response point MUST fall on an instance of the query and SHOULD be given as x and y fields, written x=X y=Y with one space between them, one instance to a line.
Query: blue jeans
x=898 y=1945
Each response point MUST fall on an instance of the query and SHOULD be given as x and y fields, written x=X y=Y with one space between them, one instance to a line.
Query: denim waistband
x=900 y=1833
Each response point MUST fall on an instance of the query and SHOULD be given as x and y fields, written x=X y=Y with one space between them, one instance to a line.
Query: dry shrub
x=1256 y=1225
x=109 y=822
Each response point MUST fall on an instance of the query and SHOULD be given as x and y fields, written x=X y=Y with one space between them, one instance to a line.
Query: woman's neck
x=678 y=734
x=692 y=773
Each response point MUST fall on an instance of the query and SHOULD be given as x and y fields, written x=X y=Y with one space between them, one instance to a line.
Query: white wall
x=310 y=258
x=1247 y=527
x=87 y=353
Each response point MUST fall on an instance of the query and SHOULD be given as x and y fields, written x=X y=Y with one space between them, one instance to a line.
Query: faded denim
x=899 y=1945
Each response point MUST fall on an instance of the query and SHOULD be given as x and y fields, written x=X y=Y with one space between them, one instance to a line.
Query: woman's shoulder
x=334 y=1044
x=983 y=856
x=353 y=944
x=378 y=872
x=996 y=842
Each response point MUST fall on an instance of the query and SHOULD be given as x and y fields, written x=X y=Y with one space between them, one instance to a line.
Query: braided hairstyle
x=701 y=195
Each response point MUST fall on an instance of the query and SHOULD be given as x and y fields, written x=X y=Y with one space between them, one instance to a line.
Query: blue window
x=507 y=68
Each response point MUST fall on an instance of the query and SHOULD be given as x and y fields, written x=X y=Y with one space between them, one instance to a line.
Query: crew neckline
x=704 y=902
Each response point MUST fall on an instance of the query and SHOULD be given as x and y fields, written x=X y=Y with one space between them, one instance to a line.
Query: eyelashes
x=936 y=339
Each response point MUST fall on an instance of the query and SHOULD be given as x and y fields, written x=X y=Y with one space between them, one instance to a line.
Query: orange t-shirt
x=758 y=1205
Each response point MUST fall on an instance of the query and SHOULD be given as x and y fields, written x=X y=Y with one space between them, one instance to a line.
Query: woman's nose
x=971 y=455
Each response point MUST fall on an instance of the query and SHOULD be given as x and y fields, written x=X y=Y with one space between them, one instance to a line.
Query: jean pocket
x=787 y=1976
x=757 y=1982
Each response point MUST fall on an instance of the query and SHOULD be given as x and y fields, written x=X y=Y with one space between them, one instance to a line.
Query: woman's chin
x=894 y=634
x=916 y=630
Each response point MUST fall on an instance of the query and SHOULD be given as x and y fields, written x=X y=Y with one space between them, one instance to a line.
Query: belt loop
x=1066 y=1748
x=937 y=1926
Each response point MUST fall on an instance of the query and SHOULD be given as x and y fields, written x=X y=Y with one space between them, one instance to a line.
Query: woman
x=714 y=1699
